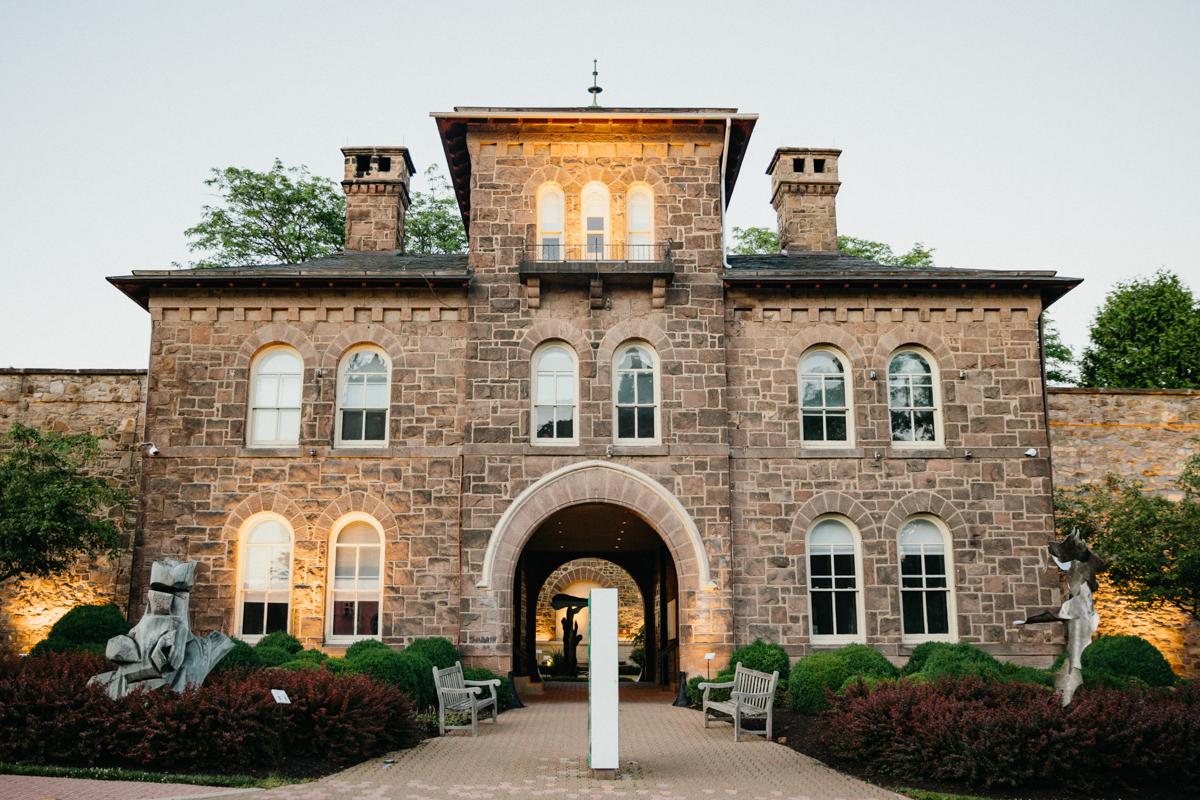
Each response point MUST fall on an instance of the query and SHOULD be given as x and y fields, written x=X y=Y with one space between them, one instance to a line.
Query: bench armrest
x=468 y=690
x=492 y=682
x=707 y=685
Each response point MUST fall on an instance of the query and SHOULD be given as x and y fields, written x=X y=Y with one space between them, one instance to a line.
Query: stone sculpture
x=571 y=635
x=161 y=649
x=1073 y=556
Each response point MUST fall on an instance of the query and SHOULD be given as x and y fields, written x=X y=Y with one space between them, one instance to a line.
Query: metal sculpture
x=161 y=650
x=571 y=635
x=1073 y=556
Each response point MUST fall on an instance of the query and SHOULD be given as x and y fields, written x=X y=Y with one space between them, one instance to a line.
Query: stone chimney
x=804 y=183
x=376 y=187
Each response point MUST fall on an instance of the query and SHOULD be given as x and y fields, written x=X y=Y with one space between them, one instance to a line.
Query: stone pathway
x=26 y=787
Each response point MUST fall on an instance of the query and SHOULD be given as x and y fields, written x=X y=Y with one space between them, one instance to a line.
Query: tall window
x=554 y=381
x=357 y=585
x=636 y=400
x=595 y=220
x=363 y=395
x=912 y=397
x=639 y=219
x=551 y=212
x=924 y=579
x=275 y=381
x=835 y=602
x=266 y=585
x=825 y=414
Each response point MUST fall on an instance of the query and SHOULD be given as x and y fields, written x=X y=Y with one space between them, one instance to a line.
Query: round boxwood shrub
x=865 y=679
x=364 y=646
x=242 y=655
x=958 y=660
x=921 y=654
x=311 y=654
x=273 y=656
x=441 y=652
x=84 y=625
x=338 y=666
x=1129 y=657
x=281 y=639
x=502 y=691
x=302 y=664
x=426 y=689
x=387 y=666
x=1018 y=674
x=810 y=677
x=863 y=660
x=695 y=694
x=765 y=657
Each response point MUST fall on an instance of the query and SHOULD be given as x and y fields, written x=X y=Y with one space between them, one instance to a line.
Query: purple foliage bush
x=986 y=733
x=49 y=715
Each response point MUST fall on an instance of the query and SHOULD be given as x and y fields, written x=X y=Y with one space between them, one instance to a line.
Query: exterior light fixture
x=151 y=450
x=1031 y=452
x=968 y=454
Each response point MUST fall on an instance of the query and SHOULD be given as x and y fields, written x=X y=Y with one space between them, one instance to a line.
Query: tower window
x=362 y=164
x=818 y=165
x=797 y=165
x=385 y=163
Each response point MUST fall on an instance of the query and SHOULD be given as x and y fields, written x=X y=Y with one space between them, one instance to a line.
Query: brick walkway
x=23 y=787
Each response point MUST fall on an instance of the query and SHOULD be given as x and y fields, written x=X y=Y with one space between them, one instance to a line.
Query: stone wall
x=108 y=404
x=1137 y=433
x=630 y=609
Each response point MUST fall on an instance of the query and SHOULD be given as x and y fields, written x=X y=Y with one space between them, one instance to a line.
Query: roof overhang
x=453 y=126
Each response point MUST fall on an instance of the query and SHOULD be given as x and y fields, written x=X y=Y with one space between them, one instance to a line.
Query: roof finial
x=595 y=90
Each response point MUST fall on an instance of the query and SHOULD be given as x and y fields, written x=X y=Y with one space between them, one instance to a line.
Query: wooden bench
x=753 y=697
x=456 y=695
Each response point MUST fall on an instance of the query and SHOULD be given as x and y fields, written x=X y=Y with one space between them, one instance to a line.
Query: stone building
x=807 y=447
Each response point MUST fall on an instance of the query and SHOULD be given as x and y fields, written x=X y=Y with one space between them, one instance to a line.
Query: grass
x=101 y=774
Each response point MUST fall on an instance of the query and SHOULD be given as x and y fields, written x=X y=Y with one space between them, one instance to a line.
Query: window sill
x=831 y=452
x=355 y=450
x=259 y=451
x=834 y=642
x=927 y=451
x=632 y=449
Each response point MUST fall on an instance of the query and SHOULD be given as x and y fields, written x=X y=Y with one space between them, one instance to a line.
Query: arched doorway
x=576 y=578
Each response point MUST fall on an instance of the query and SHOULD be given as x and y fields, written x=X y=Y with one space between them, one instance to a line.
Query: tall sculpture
x=1073 y=556
x=161 y=650
x=571 y=635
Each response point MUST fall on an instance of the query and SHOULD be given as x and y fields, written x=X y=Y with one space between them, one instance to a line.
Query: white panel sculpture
x=604 y=752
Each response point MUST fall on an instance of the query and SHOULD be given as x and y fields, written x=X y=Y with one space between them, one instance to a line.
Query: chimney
x=376 y=187
x=804 y=183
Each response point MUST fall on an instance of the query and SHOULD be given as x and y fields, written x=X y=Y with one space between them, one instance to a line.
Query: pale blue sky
x=1011 y=135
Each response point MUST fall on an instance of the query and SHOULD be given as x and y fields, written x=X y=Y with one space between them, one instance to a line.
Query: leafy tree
x=432 y=223
x=1152 y=541
x=919 y=256
x=51 y=513
x=284 y=216
x=754 y=241
x=1059 y=358
x=1146 y=336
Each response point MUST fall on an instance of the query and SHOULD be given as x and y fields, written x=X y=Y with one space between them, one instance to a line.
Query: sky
x=1018 y=135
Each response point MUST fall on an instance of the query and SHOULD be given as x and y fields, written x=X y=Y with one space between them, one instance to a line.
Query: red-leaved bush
x=989 y=732
x=49 y=715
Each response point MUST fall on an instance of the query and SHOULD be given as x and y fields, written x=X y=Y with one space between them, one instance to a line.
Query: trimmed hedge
x=961 y=659
x=765 y=657
x=50 y=715
x=811 y=677
x=242 y=655
x=441 y=652
x=863 y=660
x=282 y=640
x=85 y=628
x=695 y=694
x=363 y=646
x=1129 y=657
x=273 y=656
x=502 y=691
x=921 y=654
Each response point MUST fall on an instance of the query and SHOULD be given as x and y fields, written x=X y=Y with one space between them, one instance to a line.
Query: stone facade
x=108 y=404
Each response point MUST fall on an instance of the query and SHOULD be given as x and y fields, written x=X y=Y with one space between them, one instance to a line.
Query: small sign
x=709 y=656
x=281 y=697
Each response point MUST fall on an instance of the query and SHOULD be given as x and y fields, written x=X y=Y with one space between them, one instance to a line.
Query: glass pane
x=835 y=392
x=343 y=618
x=840 y=582
x=922 y=396
x=908 y=363
x=595 y=203
x=279 y=361
x=376 y=429
x=913 y=615
x=358 y=533
x=831 y=531
x=639 y=212
x=266 y=422
x=289 y=425
x=923 y=424
x=822 y=613
x=595 y=224
x=277 y=617
x=835 y=426
x=846 y=604
x=368 y=618
x=633 y=358
x=545 y=422
x=552 y=211
x=936 y=583
x=252 y=618
x=912 y=582
x=901 y=427
x=545 y=388
x=281 y=567
x=813 y=428
x=920 y=531
x=939 y=614
x=555 y=358
x=821 y=363
x=625 y=423
x=935 y=563
x=343 y=570
x=625 y=395
x=268 y=391
x=645 y=387
x=268 y=531
x=366 y=361
x=645 y=422
x=368 y=564
x=255 y=574
x=910 y=564
x=843 y=564
x=899 y=395
x=352 y=426
x=565 y=388
x=355 y=391
x=820 y=564
x=376 y=395
x=289 y=391
x=810 y=393
x=565 y=426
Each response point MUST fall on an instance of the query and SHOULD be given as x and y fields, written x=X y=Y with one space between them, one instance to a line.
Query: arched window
x=913 y=397
x=266 y=577
x=635 y=398
x=554 y=405
x=594 y=200
x=826 y=416
x=925 y=600
x=639 y=223
x=834 y=580
x=363 y=399
x=356 y=589
x=275 y=382
x=551 y=213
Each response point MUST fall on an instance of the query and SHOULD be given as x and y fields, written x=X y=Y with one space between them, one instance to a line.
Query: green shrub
x=921 y=654
x=1018 y=674
x=810 y=677
x=273 y=656
x=866 y=679
x=242 y=655
x=1129 y=657
x=764 y=657
x=282 y=640
x=502 y=691
x=364 y=646
x=84 y=625
x=426 y=689
x=311 y=654
x=63 y=646
x=388 y=666
x=638 y=656
x=302 y=664
x=441 y=652
x=338 y=666
x=961 y=659
x=695 y=694
x=864 y=660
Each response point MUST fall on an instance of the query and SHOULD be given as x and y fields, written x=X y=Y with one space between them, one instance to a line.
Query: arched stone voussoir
x=277 y=333
x=363 y=333
x=637 y=329
x=833 y=502
x=551 y=329
x=912 y=335
x=831 y=335
x=925 y=502
x=355 y=502
x=260 y=502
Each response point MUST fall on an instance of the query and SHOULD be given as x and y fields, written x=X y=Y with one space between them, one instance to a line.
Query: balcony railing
x=560 y=253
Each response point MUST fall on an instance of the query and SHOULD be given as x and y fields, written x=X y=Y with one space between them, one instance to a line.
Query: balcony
x=597 y=260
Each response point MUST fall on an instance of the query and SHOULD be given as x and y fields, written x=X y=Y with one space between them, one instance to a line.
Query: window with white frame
x=554 y=406
x=594 y=201
x=925 y=601
x=639 y=221
x=356 y=589
x=635 y=399
x=363 y=399
x=276 y=379
x=266 y=577
x=551 y=227
x=826 y=416
x=834 y=580
x=913 y=398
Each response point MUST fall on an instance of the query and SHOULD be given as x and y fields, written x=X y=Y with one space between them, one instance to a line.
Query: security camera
x=151 y=450
x=1031 y=452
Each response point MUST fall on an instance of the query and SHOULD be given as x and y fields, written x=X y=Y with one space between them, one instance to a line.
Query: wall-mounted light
x=962 y=374
x=967 y=454
x=151 y=450
x=1031 y=452
x=872 y=374
x=878 y=455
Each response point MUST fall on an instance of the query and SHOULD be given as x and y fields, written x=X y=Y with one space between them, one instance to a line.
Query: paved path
x=25 y=787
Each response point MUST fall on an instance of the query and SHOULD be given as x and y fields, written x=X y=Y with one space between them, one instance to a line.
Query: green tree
x=50 y=512
x=1060 y=361
x=432 y=223
x=1152 y=541
x=283 y=216
x=918 y=256
x=1146 y=336
x=754 y=241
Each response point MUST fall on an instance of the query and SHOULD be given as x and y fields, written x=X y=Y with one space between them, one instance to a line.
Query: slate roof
x=839 y=264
